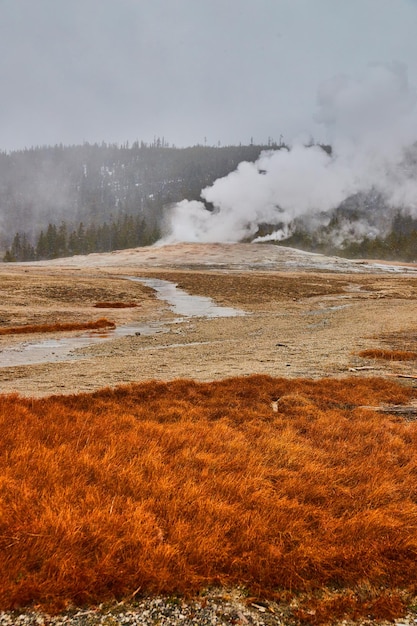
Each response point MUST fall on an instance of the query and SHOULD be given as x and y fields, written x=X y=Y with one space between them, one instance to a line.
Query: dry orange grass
x=49 y=328
x=173 y=487
x=115 y=305
x=389 y=355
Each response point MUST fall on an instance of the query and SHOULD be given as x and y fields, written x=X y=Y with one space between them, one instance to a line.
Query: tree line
x=47 y=193
x=65 y=200
x=60 y=241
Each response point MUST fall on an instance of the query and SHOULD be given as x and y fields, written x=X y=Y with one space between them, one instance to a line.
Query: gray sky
x=224 y=70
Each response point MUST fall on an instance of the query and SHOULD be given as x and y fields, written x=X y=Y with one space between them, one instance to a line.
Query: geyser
x=369 y=121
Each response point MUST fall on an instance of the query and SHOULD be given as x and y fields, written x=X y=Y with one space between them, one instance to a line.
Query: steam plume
x=369 y=121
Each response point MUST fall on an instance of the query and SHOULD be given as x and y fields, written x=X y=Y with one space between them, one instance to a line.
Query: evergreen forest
x=61 y=201
x=65 y=200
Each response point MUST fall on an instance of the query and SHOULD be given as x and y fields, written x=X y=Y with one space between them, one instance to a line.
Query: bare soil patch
x=306 y=316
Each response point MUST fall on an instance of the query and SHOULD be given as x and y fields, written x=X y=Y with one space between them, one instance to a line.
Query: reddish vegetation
x=115 y=305
x=172 y=487
x=389 y=355
x=335 y=607
x=50 y=328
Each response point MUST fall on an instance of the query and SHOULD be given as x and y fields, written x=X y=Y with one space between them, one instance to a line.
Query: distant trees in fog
x=398 y=243
x=63 y=200
x=126 y=232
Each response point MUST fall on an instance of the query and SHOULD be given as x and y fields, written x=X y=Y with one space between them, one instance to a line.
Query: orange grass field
x=288 y=488
x=48 y=328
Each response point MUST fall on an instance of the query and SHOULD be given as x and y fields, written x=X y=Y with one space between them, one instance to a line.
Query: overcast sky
x=192 y=71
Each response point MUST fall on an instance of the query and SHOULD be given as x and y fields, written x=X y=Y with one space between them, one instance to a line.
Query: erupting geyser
x=369 y=122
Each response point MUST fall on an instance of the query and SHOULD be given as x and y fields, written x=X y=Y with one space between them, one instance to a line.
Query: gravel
x=210 y=610
x=213 y=609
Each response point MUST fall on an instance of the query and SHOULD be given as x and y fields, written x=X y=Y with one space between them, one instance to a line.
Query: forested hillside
x=77 y=199
x=65 y=200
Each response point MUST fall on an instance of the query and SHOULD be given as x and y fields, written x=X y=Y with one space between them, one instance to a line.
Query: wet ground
x=57 y=349
x=303 y=315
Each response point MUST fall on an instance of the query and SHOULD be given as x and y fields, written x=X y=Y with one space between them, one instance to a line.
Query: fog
x=205 y=71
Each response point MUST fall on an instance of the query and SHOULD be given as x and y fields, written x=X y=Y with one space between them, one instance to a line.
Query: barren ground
x=306 y=315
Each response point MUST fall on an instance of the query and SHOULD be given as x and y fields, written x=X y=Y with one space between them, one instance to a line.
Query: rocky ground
x=215 y=608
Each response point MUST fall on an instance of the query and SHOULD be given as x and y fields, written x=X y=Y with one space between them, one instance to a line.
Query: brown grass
x=173 y=487
x=56 y=327
x=115 y=305
x=389 y=355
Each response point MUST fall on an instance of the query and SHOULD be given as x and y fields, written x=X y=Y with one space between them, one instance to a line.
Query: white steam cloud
x=370 y=123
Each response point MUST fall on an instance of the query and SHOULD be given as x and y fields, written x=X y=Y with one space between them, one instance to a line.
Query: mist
x=369 y=120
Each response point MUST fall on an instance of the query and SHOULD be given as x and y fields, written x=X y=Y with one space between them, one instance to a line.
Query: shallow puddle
x=63 y=349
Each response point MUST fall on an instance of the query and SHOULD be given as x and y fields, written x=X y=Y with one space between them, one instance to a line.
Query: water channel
x=63 y=349
x=183 y=303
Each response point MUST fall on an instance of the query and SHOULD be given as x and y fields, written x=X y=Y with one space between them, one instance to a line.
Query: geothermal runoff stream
x=180 y=302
